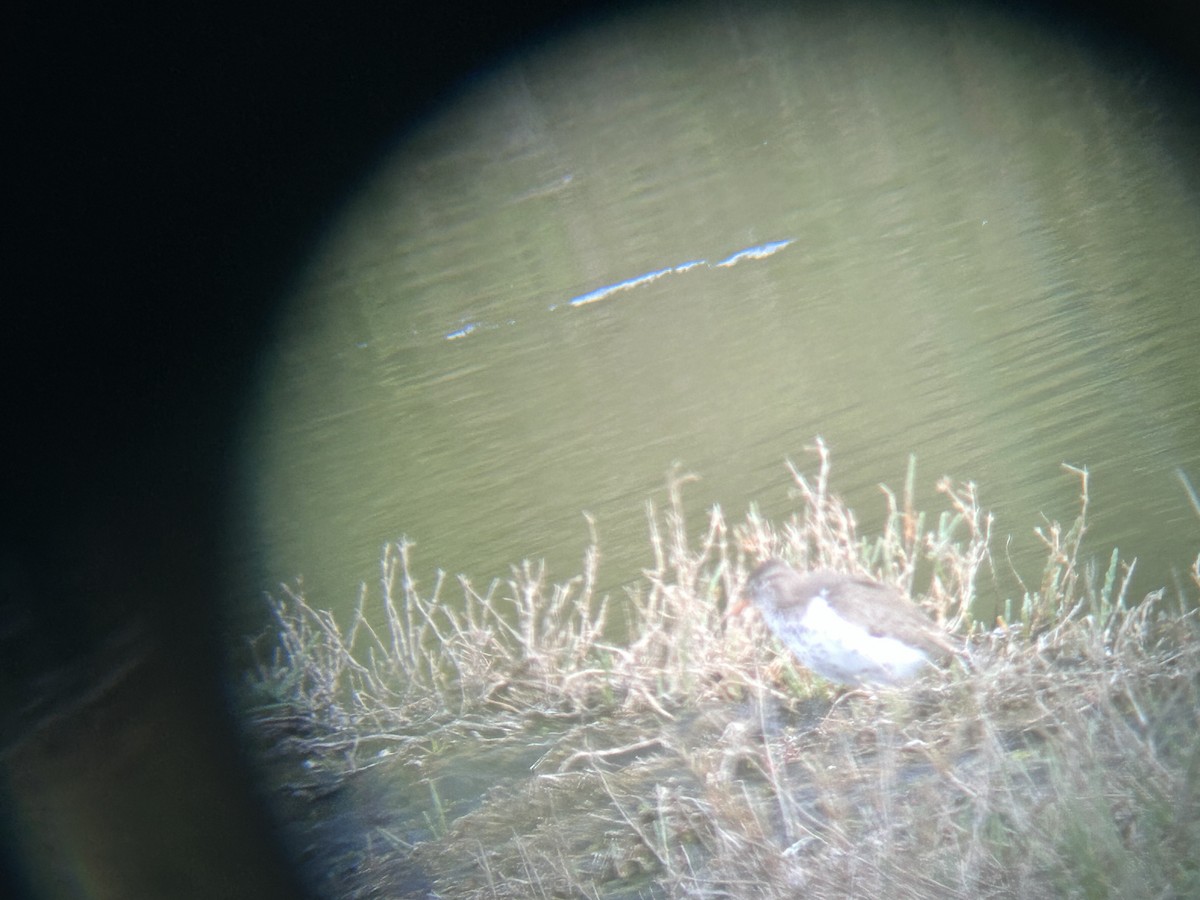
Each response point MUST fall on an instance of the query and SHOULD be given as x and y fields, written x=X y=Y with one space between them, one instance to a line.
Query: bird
x=848 y=629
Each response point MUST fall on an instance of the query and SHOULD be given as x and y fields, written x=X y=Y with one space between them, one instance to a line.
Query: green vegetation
x=538 y=740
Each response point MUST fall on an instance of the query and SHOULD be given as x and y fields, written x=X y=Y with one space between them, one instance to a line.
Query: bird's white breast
x=843 y=651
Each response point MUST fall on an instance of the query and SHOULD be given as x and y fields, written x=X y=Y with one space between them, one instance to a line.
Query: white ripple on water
x=759 y=251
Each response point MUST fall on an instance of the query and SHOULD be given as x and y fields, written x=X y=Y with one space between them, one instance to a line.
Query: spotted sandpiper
x=848 y=629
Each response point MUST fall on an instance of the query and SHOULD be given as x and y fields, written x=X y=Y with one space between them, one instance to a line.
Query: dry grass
x=692 y=760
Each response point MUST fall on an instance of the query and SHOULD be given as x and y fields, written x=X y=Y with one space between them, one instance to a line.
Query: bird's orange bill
x=738 y=605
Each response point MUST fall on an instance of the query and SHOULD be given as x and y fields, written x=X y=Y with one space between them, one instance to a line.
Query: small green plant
x=435 y=817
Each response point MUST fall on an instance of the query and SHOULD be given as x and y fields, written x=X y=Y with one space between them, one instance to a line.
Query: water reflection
x=996 y=253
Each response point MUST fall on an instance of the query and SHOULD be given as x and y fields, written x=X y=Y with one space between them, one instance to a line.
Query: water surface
x=984 y=250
